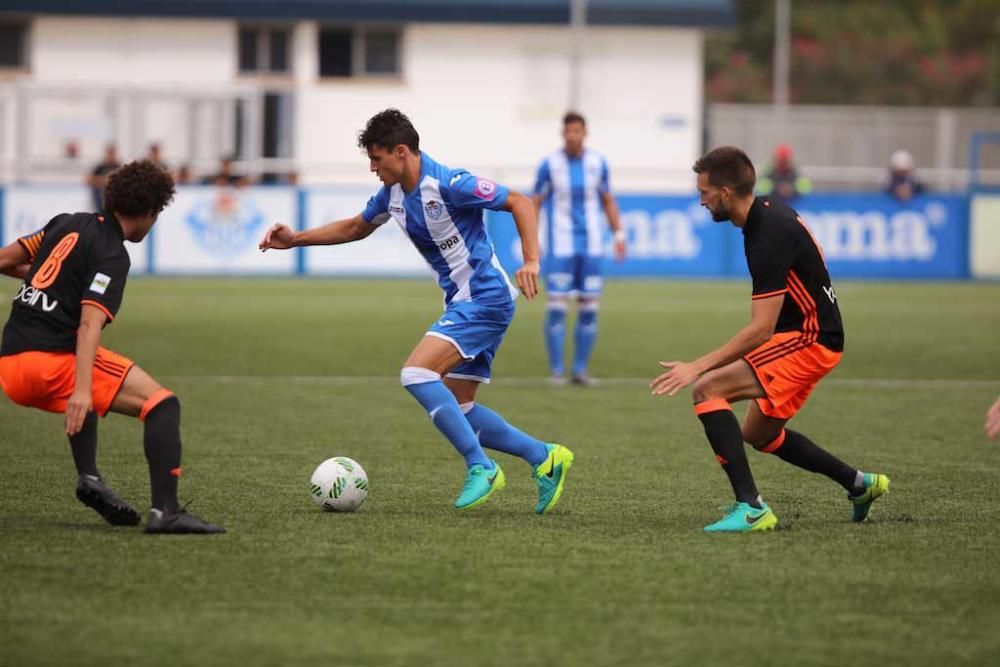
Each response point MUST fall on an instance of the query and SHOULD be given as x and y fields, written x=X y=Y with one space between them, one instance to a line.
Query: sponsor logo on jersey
x=397 y=209
x=227 y=224
x=434 y=210
x=34 y=297
x=100 y=284
x=449 y=242
x=485 y=188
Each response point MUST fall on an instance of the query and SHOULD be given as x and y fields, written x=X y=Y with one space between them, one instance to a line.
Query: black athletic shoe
x=94 y=493
x=179 y=522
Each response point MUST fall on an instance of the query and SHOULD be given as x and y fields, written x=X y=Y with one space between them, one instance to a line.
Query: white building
x=286 y=85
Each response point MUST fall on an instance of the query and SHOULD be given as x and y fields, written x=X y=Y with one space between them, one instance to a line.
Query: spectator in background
x=903 y=184
x=98 y=178
x=184 y=175
x=226 y=176
x=154 y=154
x=71 y=150
x=782 y=179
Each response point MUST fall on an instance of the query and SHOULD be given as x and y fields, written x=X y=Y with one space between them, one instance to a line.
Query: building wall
x=144 y=52
x=487 y=97
x=491 y=98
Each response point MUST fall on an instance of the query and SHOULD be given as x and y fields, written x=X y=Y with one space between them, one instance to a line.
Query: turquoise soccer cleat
x=876 y=486
x=744 y=518
x=550 y=475
x=480 y=483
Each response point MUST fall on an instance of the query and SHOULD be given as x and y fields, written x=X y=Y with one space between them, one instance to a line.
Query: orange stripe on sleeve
x=158 y=397
x=99 y=306
x=774 y=444
x=767 y=295
x=711 y=405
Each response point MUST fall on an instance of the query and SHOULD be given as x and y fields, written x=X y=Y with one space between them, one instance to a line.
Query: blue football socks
x=441 y=406
x=555 y=335
x=494 y=432
x=585 y=335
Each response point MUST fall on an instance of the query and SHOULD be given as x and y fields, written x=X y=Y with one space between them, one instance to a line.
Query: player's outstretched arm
x=282 y=237
x=764 y=317
x=992 y=426
x=613 y=215
x=523 y=210
x=88 y=336
x=14 y=261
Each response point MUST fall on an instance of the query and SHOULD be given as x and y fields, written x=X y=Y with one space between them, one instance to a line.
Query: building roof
x=599 y=12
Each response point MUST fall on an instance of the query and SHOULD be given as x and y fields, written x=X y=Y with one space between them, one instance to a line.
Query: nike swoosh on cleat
x=751 y=520
x=552 y=471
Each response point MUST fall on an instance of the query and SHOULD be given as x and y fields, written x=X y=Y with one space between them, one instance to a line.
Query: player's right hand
x=79 y=404
x=279 y=237
x=992 y=426
x=527 y=279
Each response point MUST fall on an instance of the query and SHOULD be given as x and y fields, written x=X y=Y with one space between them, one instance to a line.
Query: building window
x=264 y=49
x=356 y=52
x=13 y=41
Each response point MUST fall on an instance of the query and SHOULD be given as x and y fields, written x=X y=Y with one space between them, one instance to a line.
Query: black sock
x=726 y=438
x=800 y=451
x=84 y=447
x=162 y=443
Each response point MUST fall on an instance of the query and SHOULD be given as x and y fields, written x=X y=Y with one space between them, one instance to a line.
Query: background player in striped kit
x=573 y=184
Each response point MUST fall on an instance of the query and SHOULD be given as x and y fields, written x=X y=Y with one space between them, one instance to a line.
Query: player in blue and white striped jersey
x=441 y=211
x=573 y=183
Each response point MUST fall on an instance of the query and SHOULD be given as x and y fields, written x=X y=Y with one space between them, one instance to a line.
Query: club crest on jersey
x=227 y=224
x=485 y=188
x=434 y=210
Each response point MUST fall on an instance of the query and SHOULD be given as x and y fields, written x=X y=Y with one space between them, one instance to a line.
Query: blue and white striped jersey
x=443 y=217
x=572 y=187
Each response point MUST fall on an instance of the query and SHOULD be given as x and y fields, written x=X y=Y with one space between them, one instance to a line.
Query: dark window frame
x=24 y=27
x=263 y=59
x=359 y=50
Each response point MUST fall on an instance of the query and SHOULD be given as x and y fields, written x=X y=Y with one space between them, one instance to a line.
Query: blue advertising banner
x=875 y=236
x=863 y=235
x=667 y=235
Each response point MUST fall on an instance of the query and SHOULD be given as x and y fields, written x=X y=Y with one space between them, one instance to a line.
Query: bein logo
x=32 y=296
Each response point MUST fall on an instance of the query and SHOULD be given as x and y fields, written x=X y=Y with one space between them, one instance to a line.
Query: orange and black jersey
x=783 y=258
x=76 y=259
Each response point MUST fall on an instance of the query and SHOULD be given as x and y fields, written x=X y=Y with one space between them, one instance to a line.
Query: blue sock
x=555 y=335
x=585 y=335
x=494 y=432
x=427 y=388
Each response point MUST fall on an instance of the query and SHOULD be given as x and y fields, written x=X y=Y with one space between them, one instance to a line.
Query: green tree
x=914 y=52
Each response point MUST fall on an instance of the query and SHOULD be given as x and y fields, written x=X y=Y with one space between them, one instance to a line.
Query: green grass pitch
x=277 y=375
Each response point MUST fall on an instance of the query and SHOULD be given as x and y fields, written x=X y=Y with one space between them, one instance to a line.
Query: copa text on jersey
x=34 y=297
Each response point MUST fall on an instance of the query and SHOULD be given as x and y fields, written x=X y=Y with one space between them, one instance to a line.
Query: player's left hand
x=79 y=404
x=679 y=375
x=992 y=426
x=527 y=279
x=620 y=249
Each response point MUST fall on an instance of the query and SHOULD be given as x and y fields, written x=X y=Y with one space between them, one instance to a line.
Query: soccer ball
x=339 y=485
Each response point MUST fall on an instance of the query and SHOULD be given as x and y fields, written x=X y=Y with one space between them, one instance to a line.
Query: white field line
x=347 y=380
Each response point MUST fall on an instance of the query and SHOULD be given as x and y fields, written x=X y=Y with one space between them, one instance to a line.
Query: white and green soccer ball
x=339 y=485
